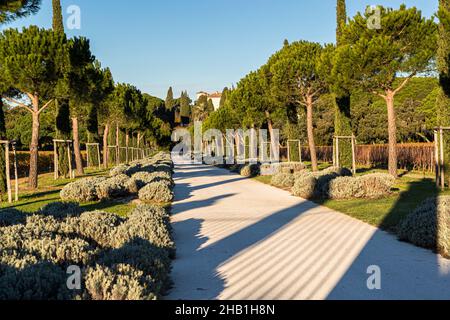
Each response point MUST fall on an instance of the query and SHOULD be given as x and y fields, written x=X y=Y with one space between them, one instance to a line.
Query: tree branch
x=403 y=84
x=45 y=106
x=22 y=105
x=379 y=94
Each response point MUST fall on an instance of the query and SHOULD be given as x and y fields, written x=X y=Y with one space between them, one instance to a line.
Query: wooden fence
x=411 y=156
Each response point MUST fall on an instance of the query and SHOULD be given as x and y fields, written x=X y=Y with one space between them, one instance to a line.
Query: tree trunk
x=105 y=146
x=139 y=139
x=34 y=146
x=76 y=147
x=117 y=144
x=127 y=142
x=273 y=146
x=392 y=130
x=310 y=127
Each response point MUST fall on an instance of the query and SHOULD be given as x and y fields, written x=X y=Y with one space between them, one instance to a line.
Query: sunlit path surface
x=240 y=239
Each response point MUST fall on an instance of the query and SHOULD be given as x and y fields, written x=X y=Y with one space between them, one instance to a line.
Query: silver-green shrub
x=429 y=226
x=119 y=170
x=83 y=190
x=251 y=170
x=115 y=187
x=371 y=186
x=10 y=217
x=122 y=259
x=146 y=222
x=97 y=227
x=156 y=192
x=61 y=210
x=305 y=187
x=118 y=283
x=283 y=180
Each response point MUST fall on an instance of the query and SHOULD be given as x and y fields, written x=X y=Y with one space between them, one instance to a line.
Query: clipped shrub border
x=120 y=259
x=429 y=226
x=125 y=180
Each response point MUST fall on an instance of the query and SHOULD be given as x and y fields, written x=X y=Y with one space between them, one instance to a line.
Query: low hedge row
x=151 y=179
x=335 y=183
x=429 y=226
x=120 y=259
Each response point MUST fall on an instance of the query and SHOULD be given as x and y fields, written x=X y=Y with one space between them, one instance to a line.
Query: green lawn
x=410 y=191
x=48 y=192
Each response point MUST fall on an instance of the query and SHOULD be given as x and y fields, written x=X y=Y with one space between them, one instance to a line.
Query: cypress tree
x=443 y=60
x=170 y=101
x=343 y=121
x=63 y=133
x=210 y=106
x=58 y=25
x=62 y=105
x=185 y=102
x=224 y=97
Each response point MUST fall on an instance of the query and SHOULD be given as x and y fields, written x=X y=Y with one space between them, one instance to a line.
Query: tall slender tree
x=185 y=105
x=224 y=97
x=81 y=68
x=443 y=61
x=2 y=150
x=298 y=79
x=58 y=24
x=11 y=10
x=170 y=101
x=33 y=63
x=62 y=122
x=343 y=122
x=373 y=59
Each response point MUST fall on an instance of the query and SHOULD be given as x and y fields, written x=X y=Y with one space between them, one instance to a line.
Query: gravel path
x=240 y=239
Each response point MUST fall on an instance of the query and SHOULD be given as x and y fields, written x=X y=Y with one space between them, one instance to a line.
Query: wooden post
x=354 y=154
x=289 y=151
x=16 y=174
x=71 y=174
x=8 y=172
x=436 y=158
x=99 y=157
x=56 y=160
x=338 y=160
x=442 y=158
x=300 y=152
x=87 y=156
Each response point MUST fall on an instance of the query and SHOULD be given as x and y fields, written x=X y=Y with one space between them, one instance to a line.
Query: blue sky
x=199 y=44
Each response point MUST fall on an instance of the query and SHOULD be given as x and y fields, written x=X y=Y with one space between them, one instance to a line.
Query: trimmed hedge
x=158 y=192
x=372 y=186
x=283 y=180
x=123 y=181
x=429 y=226
x=120 y=259
x=83 y=190
x=249 y=171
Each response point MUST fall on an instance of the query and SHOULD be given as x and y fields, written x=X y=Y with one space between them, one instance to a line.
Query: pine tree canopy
x=14 y=9
x=33 y=60
x=372 y=58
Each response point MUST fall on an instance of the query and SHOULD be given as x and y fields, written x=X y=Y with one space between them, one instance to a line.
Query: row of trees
x=380 y=62
x=42 y=71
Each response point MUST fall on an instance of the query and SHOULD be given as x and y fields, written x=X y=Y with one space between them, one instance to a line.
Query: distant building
x=215 y=97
